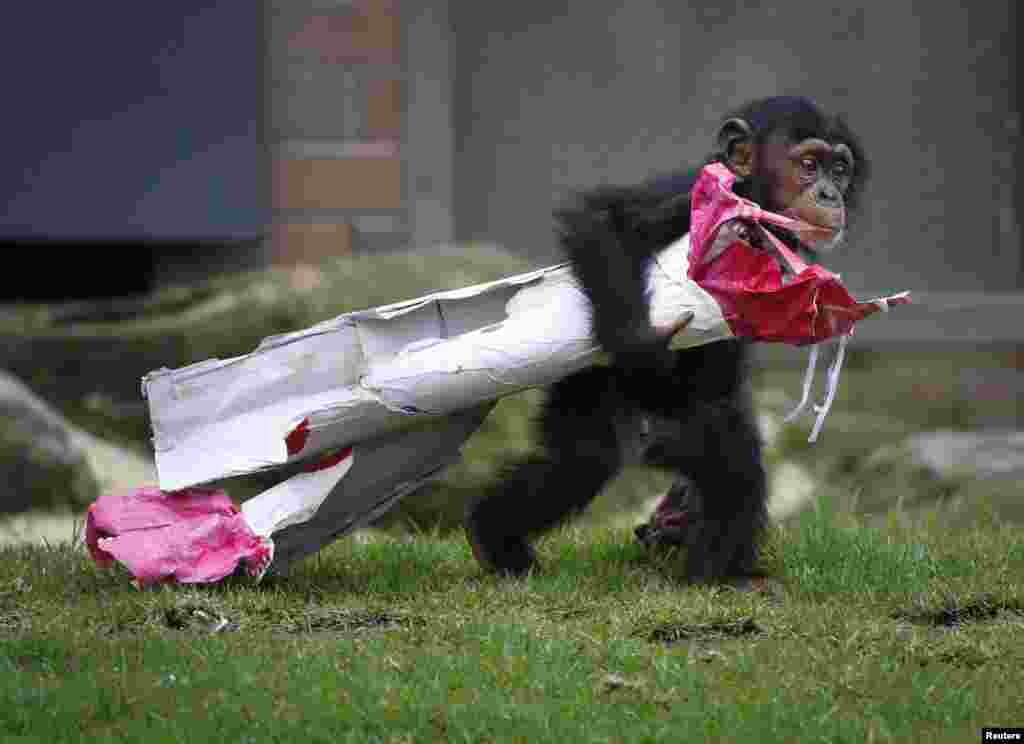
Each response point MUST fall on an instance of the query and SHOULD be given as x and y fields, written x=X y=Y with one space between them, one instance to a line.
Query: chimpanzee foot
x=755 y=584
x=506 y=556
x=673 y=519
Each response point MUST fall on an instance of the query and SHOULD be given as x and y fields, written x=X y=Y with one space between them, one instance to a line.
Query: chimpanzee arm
x=610 y=236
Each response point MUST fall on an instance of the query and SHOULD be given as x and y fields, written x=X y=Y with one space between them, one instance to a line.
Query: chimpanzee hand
x=642 y=349
x=646 y=347
x=671 y=328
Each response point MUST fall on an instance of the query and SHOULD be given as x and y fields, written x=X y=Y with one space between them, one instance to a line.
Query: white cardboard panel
x=366 y=373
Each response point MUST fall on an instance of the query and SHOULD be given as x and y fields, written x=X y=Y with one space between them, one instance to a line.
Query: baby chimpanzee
x=690 y=409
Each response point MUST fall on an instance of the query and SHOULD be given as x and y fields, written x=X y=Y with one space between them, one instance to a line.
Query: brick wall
x=336 y=117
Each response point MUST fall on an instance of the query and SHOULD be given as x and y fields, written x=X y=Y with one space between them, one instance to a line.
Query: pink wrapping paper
x=766 y=295
x=192 y=536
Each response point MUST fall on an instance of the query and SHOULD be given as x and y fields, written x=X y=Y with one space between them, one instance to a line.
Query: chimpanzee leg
x=580 y=455
x=717 y=447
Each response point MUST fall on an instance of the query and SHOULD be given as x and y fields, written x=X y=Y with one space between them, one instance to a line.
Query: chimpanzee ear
x=736 y=143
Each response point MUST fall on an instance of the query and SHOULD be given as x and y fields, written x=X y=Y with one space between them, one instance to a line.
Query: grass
x=872 y=634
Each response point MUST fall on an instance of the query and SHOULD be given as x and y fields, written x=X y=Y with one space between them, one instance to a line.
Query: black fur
x=704 y=427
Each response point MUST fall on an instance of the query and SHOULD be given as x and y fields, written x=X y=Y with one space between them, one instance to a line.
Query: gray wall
x=563 y=95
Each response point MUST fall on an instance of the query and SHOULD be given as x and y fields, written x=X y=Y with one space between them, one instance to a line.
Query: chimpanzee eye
x=840 y=170
x=809 y=165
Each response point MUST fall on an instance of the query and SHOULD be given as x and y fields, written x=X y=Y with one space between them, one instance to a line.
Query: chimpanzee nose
x=828 y=194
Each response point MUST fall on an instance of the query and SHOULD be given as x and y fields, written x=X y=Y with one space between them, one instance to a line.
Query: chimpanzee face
x=797 y=163
x=809 y=181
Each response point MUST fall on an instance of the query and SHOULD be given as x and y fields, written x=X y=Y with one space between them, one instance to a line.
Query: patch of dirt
x=347 y=620
x=196 y=617
x=12 y=617
x=12 y=621
x=954 y=615
x=671 y=633
x=966 y=657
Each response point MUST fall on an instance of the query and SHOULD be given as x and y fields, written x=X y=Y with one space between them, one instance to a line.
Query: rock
x=41 y=462
x=41 y=527
x=962 y=476
x=957 y=454
x=47 y=463
x=792 y=488
x=116 y=469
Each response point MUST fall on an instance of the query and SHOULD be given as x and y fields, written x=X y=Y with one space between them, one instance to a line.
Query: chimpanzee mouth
x=821 y=243
x=811 y=241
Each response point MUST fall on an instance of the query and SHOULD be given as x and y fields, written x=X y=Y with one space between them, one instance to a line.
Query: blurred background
x=178 y=180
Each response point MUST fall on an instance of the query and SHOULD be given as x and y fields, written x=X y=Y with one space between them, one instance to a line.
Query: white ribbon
x=831 y=387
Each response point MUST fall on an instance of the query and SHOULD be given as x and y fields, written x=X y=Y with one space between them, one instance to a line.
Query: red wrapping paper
x=766 y=295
